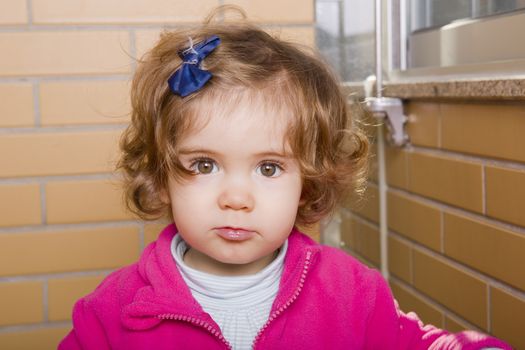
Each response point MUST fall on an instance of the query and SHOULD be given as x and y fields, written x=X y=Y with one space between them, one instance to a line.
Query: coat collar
x=167 y=293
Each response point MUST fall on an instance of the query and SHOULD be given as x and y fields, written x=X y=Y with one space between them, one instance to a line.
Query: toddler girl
x=239 y=137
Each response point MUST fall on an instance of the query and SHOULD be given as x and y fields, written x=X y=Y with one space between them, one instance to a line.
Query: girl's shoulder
x=119 y=285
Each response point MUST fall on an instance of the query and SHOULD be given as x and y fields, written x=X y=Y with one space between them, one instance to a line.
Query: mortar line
x=364 y=220
x=45 y=296
x=43 y=207
x=58 y=275
x=221 y=14
x=448 y=208
x=411 y=262
x=485 y=278
x=41 y=27
x=471 y=158
x=489 y=310
x=483 y=190
x=56 y=178
x=133 y=49
x=29 y=7
x=434 y=303
x=35 y=326
x=37 y=118
x=142 y=244
x=66 y=78
x=440 y=127
x=442 y=231
x=63 y=129
x=50 y=228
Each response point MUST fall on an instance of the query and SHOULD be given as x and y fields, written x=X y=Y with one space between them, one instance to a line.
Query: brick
x=497 y=252
x=368 y=206
x=85 y=201
x=120 y=11
x=364 y=239
x=17 y=110
x=67 y=250
x=85 y=102
x=64 y=292
x=367 y=243
x=399 y=259
x=454 y=325
x=63 y=53
x=348 y=231
x=21 y=302
x=506 y=194
x=40 y=338
x=58 y=153
x=415 y=220
x=508 y=317
x=396 y=163
x=411 y=302
x=451 y=181
x=13 y=12
x=275 y=11
x=454 y=288
x=423 y=123
x=145 y=40
x=494 y=130
x=20 y=205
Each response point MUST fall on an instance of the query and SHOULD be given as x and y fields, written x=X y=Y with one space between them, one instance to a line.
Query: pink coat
x=326 y=300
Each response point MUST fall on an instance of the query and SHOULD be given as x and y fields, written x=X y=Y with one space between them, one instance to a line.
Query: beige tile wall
x=456 y=216
x=64 y=89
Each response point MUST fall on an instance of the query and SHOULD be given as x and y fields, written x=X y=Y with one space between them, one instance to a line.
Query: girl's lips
x=234 y=234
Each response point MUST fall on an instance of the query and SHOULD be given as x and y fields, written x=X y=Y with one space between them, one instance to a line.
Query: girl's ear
x=302 y=200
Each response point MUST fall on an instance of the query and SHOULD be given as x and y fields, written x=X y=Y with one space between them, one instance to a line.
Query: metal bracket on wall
x=391 y=110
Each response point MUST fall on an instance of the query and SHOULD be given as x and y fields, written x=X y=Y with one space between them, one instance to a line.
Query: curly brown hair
x=330 y=149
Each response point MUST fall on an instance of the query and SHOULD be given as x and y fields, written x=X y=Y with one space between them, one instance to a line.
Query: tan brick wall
x=456 y=216
x=64 y=83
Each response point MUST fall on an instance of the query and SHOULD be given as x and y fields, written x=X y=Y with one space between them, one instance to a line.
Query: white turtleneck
x=240 y=305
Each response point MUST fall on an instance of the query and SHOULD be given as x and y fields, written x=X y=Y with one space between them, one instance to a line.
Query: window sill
x=488 y=89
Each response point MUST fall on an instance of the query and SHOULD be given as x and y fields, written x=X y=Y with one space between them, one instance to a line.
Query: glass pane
x=345 y=36
x=428 y=14
x=439 y=35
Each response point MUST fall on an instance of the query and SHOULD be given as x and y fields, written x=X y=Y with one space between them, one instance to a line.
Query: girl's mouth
x=234 y=233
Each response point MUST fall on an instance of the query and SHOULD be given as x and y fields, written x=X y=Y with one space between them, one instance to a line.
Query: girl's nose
x=236 y=197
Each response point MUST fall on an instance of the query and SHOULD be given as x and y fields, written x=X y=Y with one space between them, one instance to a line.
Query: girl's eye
x=204 y=166
x=269 y=169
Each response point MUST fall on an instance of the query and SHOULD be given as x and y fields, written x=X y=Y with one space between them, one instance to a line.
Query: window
x=437 y=39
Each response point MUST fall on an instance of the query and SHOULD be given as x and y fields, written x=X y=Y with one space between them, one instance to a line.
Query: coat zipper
x=207 y=326
x=217 y=333
x=290 y=301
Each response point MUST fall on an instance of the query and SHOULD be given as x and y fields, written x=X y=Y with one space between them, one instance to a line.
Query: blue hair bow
x=190 y=77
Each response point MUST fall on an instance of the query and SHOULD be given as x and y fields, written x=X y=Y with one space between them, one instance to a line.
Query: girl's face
x=240 y=205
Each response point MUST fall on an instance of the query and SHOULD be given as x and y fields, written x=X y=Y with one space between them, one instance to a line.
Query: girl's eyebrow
x=270 y=153
x=186 y=151
x=274 y=154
